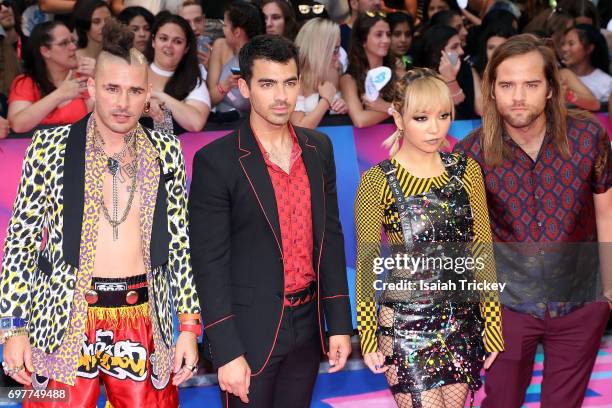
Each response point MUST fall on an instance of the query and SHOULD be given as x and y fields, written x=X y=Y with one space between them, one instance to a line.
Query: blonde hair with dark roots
x=493 y=147
x=420 y=89
x=316 y=41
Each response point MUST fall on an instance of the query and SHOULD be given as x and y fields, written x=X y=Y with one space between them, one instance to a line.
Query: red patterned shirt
x=544 y=209
x=292 y=192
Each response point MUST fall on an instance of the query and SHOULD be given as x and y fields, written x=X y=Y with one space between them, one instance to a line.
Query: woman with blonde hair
x=319 y=45
x=417 y=323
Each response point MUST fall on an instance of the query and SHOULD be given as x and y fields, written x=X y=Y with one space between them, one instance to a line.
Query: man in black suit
x=267 y=243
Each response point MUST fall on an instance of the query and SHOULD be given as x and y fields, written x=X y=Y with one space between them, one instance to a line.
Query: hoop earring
x=147 y=107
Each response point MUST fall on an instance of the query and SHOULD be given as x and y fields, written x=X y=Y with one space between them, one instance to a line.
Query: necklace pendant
x=113 y=165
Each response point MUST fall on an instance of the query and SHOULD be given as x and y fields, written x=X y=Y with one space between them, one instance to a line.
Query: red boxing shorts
x=117 y=352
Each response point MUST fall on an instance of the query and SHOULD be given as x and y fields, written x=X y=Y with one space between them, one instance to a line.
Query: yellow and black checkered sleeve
x=368 y=222
x=490 y=305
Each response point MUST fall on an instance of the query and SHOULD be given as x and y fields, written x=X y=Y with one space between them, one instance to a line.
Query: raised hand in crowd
x=155 y=110
x=447 y=69
x=449 y=72
x=230 y=83
x=86 y=66
x=204 y=56
x=57 y=6
x=327 y=91
x=73 y=86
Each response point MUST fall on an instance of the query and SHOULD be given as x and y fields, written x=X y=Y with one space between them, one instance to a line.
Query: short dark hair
x=504 y=31
x=246 y=16
x=129 y=13
x=444 y=17
x=399 y=17
x=269 y=48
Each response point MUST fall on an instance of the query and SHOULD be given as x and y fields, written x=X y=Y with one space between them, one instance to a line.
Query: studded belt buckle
x=131 y=297
x=91 y=296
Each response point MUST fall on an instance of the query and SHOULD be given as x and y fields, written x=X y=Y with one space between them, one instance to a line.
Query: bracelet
x=189 y=316
x=221 y=89
x=571 y=96
x=7 y=334
x=193 y=328
x=457 y=94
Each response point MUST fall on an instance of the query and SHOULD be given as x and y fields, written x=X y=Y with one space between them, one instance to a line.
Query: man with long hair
x=548 y=174
x=97 y=253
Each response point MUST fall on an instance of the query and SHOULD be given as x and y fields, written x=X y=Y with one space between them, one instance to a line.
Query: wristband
x=12 y=322
x=189 y=316
x=221 y=89
x=193 y=328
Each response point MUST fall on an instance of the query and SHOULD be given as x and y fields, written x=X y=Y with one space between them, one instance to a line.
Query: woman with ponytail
x=418 y=323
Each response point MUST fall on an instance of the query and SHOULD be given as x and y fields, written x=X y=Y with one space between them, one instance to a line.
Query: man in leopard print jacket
x=97 y=252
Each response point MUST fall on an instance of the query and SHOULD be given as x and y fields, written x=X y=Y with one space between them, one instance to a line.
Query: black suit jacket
x=237 y=251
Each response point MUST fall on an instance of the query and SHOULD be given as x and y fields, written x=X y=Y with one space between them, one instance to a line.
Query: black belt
x=113 y=292
x=117 y=298
x=304 y=295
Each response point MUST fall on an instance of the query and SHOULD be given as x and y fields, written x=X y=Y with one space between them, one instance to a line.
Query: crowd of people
x=49 y=50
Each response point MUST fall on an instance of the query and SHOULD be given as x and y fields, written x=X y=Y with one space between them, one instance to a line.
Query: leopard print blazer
x=50 y=245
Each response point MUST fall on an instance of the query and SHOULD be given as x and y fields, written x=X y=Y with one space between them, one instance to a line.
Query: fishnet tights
x=447 y=396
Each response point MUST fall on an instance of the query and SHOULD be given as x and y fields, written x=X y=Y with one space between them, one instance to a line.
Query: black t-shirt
x=465 y=110
x=396 y=4
x=214 y=8
x=345 y=36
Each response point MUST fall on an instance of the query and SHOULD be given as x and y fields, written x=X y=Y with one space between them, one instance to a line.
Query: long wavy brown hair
x=493 y=146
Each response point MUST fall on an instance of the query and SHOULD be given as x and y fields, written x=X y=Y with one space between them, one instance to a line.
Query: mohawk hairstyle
x=117 y=40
